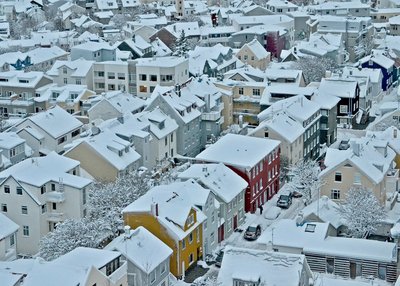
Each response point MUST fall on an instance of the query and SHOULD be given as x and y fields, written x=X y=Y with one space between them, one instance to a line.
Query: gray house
x=94 y=51
x=147 y=257
x=184 y=108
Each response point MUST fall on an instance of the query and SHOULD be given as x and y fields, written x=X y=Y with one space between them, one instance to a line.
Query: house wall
x=231 y=211
x=387 y=74
x=247 y=56
x=8 y=252
x=103 y=110
x=93 y=162
x=32 y=142
x=66 y=76
x=120 y=72
x=348 y=182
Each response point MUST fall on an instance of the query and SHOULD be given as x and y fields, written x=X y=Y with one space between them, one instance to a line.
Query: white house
x=37 y=193
x=56 y=126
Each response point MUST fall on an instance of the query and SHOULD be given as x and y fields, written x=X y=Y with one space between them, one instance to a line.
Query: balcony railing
x=211 y=116
x=55 y=216
x=55 y=197
x=119 y=274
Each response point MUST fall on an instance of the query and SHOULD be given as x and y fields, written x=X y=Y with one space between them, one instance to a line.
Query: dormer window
x=23 y=81
x=190 y=220
x=194 y=105
x=188 y=109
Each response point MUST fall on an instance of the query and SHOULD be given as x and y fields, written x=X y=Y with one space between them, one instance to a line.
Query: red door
x=235 y=222
x=221 y=233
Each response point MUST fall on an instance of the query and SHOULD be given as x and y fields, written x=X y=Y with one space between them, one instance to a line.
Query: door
x=221 y=233
x=235 y=222
x=353 y=270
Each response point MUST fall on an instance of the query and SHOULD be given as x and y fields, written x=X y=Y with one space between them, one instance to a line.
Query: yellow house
x=367 y=163
x=168 y=212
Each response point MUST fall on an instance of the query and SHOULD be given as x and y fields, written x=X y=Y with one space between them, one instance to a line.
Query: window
x=183 y=244
x=54 y=206
x=198 y=234
x=310 y=227
x=190 y=237
x=163 y=268
x=143 y=88
x=142 y=77
x=191 y=260
x=24 y=210
x=12 y=240
x=44 y=208
x=25 y=230
x=153 y=77
x=78 y=81
x=338 y=177
x=100 y=85
x=256 y=91
x=335 y=194
x=357 y=179
x=4 y=208
x=152 y=277
x=343 y=109
x=382 y=272
x=330 y=265
x=166 y=141
x=19 y=191
x=241 y=90
x=65 y=71
x=121 y=76
x=111 y=87
x=65 y=80
x=6 y=189
x=62 y=140
x=100 y=74
x=83 y=196
x=229 y=224
x=111 y=75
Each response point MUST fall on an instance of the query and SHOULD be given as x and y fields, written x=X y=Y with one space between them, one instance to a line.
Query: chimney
x=95 y=130
x=300 y=219
x=133 y=37
x=178 y=89
x=127 y=231
x=208 y=104
x=121 y=119
x=154 y=209
x=241 y=121
x=356 y=148
x=394 y=133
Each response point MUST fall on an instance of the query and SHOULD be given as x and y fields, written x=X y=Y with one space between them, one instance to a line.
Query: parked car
x=296 y=194
x=285 y=200
x=252 y=232
x=344 y=145
x=218 y=259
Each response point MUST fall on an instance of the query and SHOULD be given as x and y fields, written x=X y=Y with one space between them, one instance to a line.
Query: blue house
x=385 y=64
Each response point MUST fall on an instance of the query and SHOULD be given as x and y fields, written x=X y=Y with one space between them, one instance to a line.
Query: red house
x=256 y=160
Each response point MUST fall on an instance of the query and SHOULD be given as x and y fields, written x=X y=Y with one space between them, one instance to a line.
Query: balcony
x=211 y=116
x=55 y=197
x=55 y=216
x=119 y=274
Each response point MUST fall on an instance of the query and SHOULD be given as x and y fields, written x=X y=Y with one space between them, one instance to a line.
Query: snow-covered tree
x=69 y=235
x=361 y=211
x=106 y=200
x=304 y=179
x=119 y=20
x=181 y=46
x=314 y=68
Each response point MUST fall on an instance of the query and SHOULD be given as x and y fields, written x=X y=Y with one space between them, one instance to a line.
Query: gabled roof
x=379 y=59
x=41 y=170
x=221 y=180
x=341 y=87
x=161 y=125
x=7 y=227
x=141 y=248
x=365 y=154
x=55 y=121
x=80 y=67
x=238 y=150
x=174 y=203
x=258 y=50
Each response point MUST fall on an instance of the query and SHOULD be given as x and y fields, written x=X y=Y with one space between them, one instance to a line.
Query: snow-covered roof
x=221 y=180
x=260 y=266
x=286 y=233
x=161 y=125
x=40 y=55
x=365 y=154
x=326 y=209
x=9 y=279
x=379 y=59
x=93 y=46
x=326 y=101
x=238 y=150
x=21 y=79
x=9 y=140
x=41 y=170
x=374 y=75
x=174 y=202
x=298 y=107
x=55 y=121
x=85 y=257
x=7 y=227
x=141 y=248
x=341 y=87
x=390 y=134
x=354 y=248
x=189 y=28
x=262 y=29
x=258 y=50
x=123 y=102
x=166 y=62
x=160 y=48
x=115 y=150
x=106 y=4
x=80 y=67
x=284 y=125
